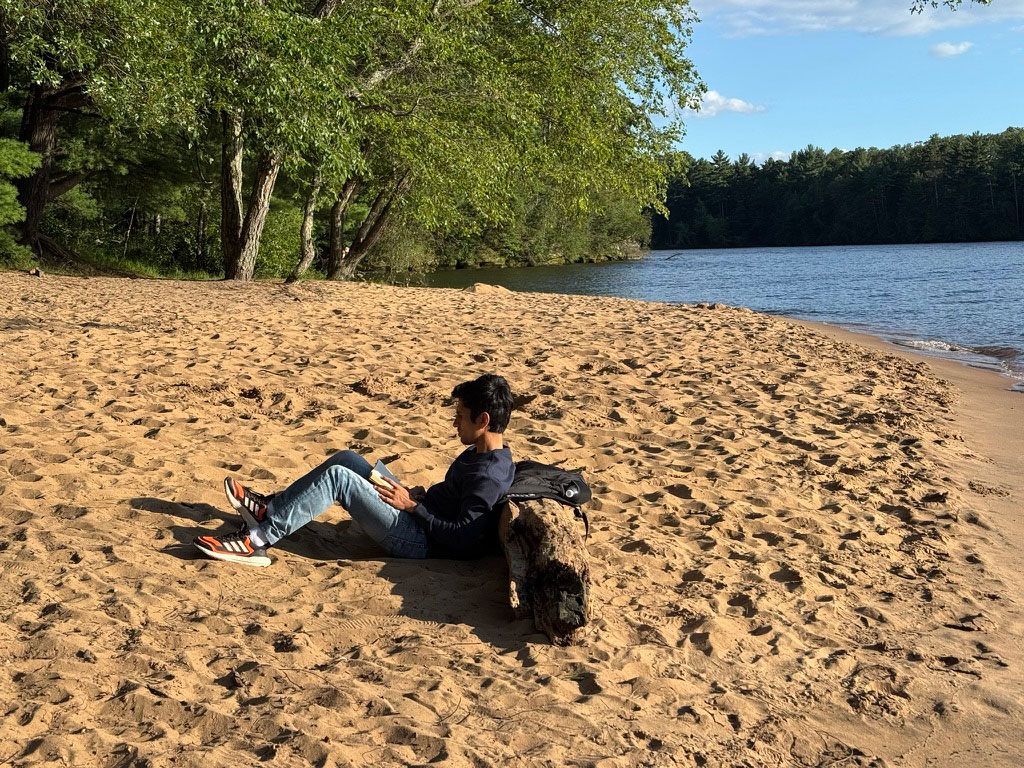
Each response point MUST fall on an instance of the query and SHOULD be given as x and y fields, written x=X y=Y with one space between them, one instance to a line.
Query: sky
x=782 y=74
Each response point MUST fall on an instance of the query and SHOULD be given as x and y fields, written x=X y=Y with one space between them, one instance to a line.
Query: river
x=963 y=301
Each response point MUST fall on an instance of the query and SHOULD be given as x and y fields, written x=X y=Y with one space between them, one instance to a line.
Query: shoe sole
x=253 y=561
x=239 y=507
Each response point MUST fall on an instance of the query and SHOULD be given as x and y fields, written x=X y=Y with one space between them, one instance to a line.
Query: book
x=379 y=472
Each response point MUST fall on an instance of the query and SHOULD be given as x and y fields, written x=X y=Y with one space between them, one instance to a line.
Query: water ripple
x=964 y=301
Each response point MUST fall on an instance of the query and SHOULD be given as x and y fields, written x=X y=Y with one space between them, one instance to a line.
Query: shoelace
x=258 y=499
x=240 y=535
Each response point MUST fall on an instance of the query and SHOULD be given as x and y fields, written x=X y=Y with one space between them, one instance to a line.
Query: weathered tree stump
x=548 y=567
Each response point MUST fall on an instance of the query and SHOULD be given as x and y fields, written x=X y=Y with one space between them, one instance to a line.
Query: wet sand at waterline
x=805 y=550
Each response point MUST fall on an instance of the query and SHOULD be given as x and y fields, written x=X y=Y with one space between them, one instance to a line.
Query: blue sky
x=782 y=74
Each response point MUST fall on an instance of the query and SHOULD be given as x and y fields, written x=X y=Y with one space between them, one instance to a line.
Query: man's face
x=468 y=431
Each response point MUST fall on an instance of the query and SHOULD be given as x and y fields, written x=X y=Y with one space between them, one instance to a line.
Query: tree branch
x=70 y=94
x=403 y=62
x=378 y=214
x=391 y=110
x=325 y=8
x=63 y=184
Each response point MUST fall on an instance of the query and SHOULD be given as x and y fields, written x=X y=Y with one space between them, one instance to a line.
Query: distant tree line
x=272 y=137
x=946 y=189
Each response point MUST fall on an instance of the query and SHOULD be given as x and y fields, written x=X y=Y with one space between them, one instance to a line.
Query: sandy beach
x=807 y=550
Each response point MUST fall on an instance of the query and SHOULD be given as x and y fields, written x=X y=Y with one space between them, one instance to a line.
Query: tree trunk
x=40 y=134
x=325 y=8
x=372 y=227
x=347 y=266
x=336 y=253
x=306 y=231
x=256 y=215
x=231 y=193
x=241 y=228
x=42 y=112
x=201 y=224
x=549 y=568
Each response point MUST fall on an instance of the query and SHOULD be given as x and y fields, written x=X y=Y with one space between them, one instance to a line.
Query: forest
x=945 y=189
x=296 y=138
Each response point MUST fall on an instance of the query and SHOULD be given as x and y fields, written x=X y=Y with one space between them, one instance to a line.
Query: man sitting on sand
x=454 y=518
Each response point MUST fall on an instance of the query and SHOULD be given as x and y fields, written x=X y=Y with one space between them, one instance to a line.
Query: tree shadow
x=475 y=591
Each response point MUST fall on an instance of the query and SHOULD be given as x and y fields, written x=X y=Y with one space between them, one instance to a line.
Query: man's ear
x=483 y=420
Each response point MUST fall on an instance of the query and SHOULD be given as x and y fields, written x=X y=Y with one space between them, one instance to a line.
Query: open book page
x=381 y=467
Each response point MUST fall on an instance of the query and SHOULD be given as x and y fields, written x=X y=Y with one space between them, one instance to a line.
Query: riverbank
x=798 y=556
x=958 y=301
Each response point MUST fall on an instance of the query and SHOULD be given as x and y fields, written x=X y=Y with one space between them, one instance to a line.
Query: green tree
x=16 y=161
x=1012 y=162
x=278 y=79
x=943 y=189
x=485 y=95
x=117 y=61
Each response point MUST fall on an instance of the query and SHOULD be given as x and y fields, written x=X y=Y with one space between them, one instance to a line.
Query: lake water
x=963 y=301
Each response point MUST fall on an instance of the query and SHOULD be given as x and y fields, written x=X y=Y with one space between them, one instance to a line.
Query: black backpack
x=534 y=480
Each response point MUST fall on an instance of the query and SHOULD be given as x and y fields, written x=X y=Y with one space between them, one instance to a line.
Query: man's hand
x=396 y=495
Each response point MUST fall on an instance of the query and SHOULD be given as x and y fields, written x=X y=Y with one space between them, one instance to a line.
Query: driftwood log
x=548 y=567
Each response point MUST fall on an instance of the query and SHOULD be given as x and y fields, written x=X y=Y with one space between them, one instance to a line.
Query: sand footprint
x=743 y=605
x=788 y=577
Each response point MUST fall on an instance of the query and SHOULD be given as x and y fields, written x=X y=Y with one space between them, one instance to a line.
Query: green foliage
x=957 y=188
x=529 y=130
x=405 y=249
x=16 y=161
x=917 y=6
x=279 y=247
x=142 y=202
x=557 y=93
x=287 y=72
x=538 y=233
x=131 y=55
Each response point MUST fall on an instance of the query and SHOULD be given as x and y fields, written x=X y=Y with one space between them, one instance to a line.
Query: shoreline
x=991 y=418
x=990 y=413
x=1013 y=383
x=995 y=347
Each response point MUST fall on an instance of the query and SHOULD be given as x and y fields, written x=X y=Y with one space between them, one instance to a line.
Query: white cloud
x=945 y=50
x=743 y=18
x=715 y=103
x=760 y=157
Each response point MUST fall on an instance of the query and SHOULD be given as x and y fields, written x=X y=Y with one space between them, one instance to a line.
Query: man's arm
x=463 y=534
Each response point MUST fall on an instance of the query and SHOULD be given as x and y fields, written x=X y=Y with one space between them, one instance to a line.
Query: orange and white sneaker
x=250 y=505
x=234 y=547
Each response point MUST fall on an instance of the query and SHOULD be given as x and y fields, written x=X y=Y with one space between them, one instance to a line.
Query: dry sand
x=802 y=554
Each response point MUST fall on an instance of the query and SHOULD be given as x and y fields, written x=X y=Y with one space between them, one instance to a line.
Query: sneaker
x=250 y=505
x=234 y=547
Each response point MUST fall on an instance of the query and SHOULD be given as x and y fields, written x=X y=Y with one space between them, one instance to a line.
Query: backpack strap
x=578 y=511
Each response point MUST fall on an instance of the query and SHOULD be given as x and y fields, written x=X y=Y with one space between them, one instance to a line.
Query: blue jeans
x=343 y=478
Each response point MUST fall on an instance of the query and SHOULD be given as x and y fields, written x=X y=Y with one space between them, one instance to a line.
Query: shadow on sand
x=476 y=591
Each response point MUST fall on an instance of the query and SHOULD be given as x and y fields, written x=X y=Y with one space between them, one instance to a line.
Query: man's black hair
x=491 y=394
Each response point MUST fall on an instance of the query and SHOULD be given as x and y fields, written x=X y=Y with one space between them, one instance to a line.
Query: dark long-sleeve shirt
x=458 y=514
